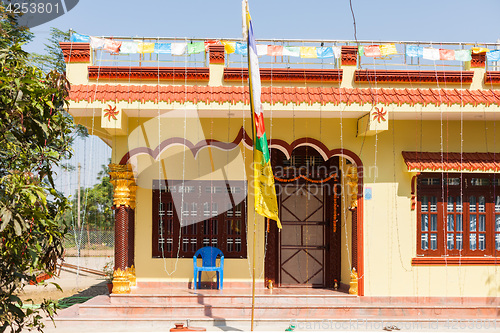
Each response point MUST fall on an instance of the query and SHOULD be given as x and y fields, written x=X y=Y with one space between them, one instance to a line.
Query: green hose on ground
x=63 y=303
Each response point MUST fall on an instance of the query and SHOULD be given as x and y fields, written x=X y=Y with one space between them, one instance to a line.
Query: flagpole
x=254 y=240
x=255 y=198
x=244 y=7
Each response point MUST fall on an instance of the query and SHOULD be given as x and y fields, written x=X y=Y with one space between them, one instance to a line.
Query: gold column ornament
x=124 y=187
x=353 y=289
x=121 y=284
x=131 y=276
x=352 y=181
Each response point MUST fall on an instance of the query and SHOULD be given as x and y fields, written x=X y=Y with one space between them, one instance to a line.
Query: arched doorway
x=306 y=253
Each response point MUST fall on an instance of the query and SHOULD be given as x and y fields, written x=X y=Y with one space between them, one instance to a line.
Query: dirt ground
x=72 y=283
x=46 y=292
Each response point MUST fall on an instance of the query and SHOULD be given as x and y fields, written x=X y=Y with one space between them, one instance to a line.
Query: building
x=392 y=172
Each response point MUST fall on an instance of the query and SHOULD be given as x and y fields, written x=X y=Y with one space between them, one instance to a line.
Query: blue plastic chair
x=208 y=256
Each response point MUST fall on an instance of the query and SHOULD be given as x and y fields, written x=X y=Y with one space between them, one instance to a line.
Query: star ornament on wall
x=379 y=114
x=111 y=112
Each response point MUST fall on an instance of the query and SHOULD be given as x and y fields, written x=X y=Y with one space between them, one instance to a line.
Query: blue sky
x=422 y=20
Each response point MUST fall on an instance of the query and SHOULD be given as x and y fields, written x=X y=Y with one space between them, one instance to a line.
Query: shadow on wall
x=494 y=288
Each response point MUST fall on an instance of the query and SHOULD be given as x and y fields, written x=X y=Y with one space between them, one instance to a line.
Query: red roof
x=283 y=95
x=446 y=161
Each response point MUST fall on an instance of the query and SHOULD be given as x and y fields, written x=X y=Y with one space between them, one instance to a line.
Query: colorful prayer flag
x=445 y=54
x=165 y=48
x=414 y=51
x=241 y=48
x=372 y=51
x=211 y=42
x=361 y=50
x=179 y=48
x=96 y=43
x=112 y=46
x=261 y=50
x=388 y=49
x=263 y=183
x=146 y=47
x=129 y=47
x=77 y=38
x=477 y=50
x=291 y=51
x=493 y=55
x=229 y=47
x=275 y=50
x=431 y=53
x=308 y=52
x=337 y=51
x=196 y=47
x=463 y=55
x=324 y=52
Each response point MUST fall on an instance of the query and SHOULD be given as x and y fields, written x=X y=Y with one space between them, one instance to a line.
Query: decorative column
x=352 y=181
x=352 y=202
x=122 y=178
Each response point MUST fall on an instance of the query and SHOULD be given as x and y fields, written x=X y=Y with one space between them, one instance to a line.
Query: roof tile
x=284 y=95
x=451 y=161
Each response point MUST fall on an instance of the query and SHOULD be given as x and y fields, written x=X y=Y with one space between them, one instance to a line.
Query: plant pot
x=110 y=287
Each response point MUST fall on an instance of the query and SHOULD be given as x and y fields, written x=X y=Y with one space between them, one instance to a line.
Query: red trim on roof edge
x=75 y=52
x=149 y=73
x=492 y=77
x=286 y=74
x=423 y=161
x=371 y=75
x=284 y=95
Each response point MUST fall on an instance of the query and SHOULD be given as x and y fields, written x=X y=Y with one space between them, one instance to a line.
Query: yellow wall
x=389 y=222
x=390 y=225
x=154 y=269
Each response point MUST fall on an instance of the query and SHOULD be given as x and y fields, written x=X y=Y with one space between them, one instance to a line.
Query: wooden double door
x=306 y=252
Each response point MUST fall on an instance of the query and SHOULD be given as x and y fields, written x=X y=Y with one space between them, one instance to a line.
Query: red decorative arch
x=287 y=149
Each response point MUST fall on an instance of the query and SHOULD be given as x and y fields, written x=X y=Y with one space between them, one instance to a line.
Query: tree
x=34 y=137
x=53 y=59
x=96 y=206
x=99 y=201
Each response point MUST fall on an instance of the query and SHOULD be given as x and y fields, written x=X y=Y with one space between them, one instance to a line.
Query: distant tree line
x=95 y=204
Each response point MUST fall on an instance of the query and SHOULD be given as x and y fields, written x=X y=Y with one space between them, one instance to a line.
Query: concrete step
x=161 y=324
x=275 y=312
x=225 y=299
x=215 y=299
x=286 y=311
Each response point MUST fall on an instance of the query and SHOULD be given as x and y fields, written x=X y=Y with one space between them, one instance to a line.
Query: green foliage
x=53 y=57
x=34 y=137
x=10 y=32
